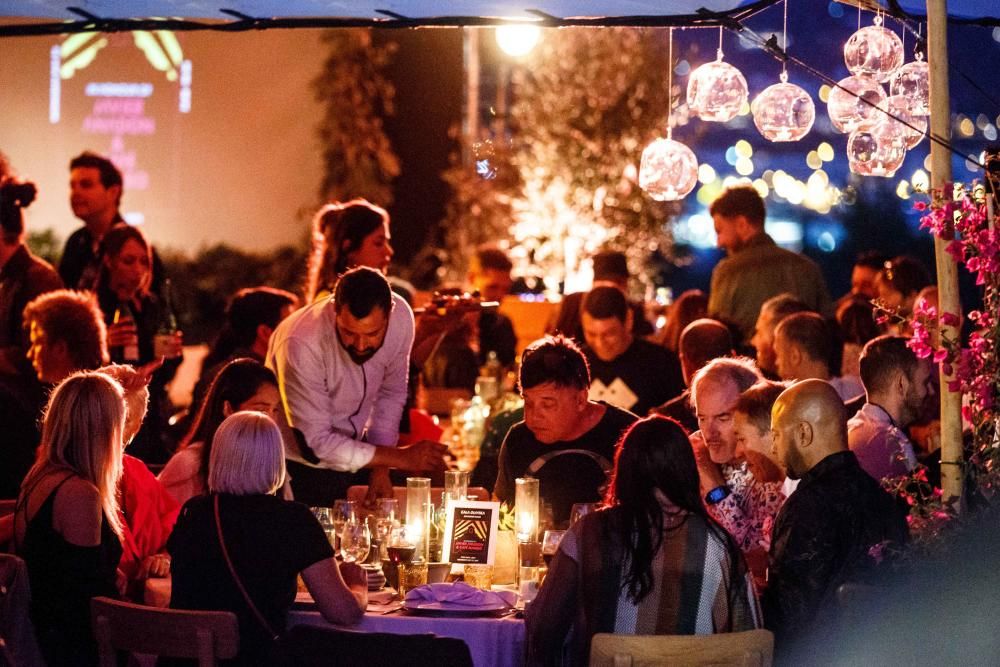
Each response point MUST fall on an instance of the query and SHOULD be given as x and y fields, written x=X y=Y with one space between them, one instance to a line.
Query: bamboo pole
x=947 y=272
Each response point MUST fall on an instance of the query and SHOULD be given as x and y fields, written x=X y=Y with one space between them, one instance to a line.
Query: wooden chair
x=753 y=648
x=202 y=635
x=358 y=493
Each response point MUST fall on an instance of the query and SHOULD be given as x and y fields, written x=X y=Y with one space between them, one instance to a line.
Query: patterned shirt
x=748 y=512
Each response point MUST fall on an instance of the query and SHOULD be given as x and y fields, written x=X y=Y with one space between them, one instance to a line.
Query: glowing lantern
x=783 y=112
x=668 y=170
x=851 y=104
x=911 y=81
x=901 y=107
x=874 y=51
x=878 y=151
x=716 y=91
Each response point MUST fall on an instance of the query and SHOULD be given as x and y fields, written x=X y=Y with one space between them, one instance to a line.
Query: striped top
x=700 y=586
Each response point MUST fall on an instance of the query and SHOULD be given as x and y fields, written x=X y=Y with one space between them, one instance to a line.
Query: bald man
x=831 y=530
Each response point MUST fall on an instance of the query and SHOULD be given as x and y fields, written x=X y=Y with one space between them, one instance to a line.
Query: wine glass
x=580 y=510
x=386 y=518
x=325 y=519
x=355 y=541
x=550 y=544
x=343 y=511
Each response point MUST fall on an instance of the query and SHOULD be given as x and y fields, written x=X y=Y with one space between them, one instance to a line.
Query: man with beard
x=832 y=530
x=743 y=504
x=755 y=268
x=342 y=365
x=896 y=384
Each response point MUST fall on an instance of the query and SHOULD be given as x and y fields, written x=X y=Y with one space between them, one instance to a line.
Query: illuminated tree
x=356 y=95
x=586 y=103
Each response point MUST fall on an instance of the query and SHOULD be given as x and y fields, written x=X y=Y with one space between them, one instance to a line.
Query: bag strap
x=239 y=584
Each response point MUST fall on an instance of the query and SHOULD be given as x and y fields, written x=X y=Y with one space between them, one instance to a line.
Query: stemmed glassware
x=355 y=540
x=550 y=544
x=386 y=518
x=343 y=511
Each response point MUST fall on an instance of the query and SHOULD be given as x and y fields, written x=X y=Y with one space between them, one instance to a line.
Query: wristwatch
x=717 y=495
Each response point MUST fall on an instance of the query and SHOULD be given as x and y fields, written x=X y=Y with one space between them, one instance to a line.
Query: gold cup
x=411 y=575
x=479 y=575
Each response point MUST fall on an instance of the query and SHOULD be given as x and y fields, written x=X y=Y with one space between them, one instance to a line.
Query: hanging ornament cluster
x=668 y=170
x=881 y=126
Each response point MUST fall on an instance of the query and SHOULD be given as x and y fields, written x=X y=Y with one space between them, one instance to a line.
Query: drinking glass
x=479 y=575
x=355 y=541
x=580 y=510
x=386 y=518
x=325 y=519
x=550 y=544
x=343 y=511
x=411 y=575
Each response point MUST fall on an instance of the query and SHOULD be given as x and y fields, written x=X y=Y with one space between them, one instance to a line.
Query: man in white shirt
x=896 y=383
x=342 y=365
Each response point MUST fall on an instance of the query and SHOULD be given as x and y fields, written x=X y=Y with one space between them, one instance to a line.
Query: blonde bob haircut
x=247 y=456
x=82 y=432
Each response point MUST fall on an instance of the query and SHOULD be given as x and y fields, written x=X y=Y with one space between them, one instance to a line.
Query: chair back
x=17 y=634
x=312 y=646
x=753 y=648
x=203 y=635
x=358 y=493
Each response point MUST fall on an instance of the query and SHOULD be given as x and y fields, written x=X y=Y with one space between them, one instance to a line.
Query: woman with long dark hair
x=651 y=562
x=242 y=384
x=345 y=235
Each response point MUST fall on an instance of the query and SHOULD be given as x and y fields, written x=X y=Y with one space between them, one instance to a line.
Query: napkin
x=460 y=594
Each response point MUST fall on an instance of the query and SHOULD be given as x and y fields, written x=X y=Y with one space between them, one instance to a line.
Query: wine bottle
x=129 y=352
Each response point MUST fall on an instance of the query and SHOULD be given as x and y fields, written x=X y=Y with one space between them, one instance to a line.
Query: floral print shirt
x=748 y=512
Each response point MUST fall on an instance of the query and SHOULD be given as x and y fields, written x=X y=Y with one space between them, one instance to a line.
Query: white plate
x=450 y=609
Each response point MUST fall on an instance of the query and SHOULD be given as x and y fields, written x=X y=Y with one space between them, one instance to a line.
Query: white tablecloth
x=493 y=642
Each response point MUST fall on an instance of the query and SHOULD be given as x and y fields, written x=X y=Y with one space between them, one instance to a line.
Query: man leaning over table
x=342 y=366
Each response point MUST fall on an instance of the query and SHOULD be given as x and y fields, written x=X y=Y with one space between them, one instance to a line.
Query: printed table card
x=470 y=531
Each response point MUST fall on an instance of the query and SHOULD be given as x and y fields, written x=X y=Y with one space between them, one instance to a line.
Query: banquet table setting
x=489 y=622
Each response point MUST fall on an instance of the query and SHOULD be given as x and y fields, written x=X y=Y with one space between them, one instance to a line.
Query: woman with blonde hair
x=67 y=525
x=240 y=548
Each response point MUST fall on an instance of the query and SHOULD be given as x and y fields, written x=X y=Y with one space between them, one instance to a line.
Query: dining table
x=493 y=641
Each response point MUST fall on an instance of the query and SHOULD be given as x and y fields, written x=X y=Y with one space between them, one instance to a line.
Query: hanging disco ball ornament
x=783 y=112
x=911 y=81
x=716 y=91
x=668 y=170
x=877 y=151
x=901 y=107
x=851 y=104
x=874 y=51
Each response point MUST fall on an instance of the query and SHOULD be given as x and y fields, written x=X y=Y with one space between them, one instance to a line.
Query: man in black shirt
x=566 y=440
x=489 y=274
x=834 y=527
x=95 y=195
x=627 y=372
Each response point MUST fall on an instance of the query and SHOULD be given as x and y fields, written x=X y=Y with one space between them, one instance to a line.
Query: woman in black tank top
x=66 y=524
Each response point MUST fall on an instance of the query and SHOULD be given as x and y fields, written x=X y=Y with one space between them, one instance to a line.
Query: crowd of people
x=739 y=450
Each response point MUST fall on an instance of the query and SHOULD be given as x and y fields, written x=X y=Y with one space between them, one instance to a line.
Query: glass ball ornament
x=912 y=81
x=783 y=112
x=901 y=107
x=874 y=51
x=716 y=91
x=847 y=106
x=668 y=170
x=878 y=150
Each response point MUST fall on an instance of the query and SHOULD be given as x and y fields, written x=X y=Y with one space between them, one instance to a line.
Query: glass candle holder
x=418 y=519
x=456 y=486
x=526 y=509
